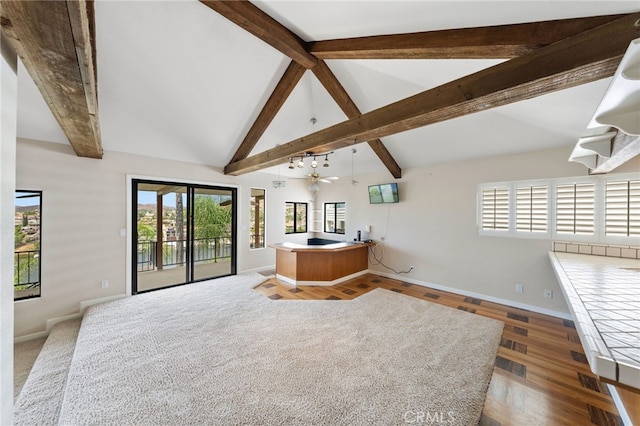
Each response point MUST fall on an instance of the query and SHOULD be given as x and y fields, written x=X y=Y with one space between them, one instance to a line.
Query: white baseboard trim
x=48 y=326
x=506 y=302
x=53 y=321
x=31 y=336
x=320 y=283
x=86 y=303
x=262 y=268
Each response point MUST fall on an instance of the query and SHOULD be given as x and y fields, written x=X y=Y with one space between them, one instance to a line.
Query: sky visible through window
x=22 y=201
x=150 y=197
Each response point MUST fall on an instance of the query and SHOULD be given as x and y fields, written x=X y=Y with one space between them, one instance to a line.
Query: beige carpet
x=219 y=353
x=24 y=356
x=41 y=397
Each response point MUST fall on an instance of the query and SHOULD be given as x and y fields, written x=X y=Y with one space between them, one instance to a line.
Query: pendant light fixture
x=353 y=153
x=298 y=160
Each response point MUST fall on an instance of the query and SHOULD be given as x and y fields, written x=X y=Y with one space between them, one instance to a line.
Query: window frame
x=531 y=186
x=576 y=207
x=481 y=209
x=599 y=207
x=632 y=213
x=335 y=217
x=39 y=251
x=296 y=204
x=262 y=222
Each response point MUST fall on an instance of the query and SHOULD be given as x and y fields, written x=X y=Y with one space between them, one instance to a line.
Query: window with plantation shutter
x=596 y=209
x=495 y=209
x=531 y=208
x=622 y=208
x=575 y=208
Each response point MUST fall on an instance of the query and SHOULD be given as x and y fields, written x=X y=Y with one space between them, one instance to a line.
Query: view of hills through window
x=26 y=273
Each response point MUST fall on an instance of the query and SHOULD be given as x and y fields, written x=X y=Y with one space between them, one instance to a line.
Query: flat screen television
x=383 y=193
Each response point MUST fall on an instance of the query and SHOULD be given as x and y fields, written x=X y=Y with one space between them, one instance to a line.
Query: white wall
x=433 y=228
x=84 y=206
x=8 y=111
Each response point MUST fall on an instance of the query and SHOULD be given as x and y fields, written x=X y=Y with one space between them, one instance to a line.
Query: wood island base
x=330 y=264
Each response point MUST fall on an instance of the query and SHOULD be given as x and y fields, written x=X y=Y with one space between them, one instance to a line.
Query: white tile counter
x=603 y=294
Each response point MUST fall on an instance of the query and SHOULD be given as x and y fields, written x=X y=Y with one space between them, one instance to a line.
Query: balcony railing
x=256 y=241
x=174 y=252
x=26 y=274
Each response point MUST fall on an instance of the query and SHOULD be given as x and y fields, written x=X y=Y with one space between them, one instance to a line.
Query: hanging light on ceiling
x=279 y=183
x=353 y=152
x=314 y=188
x=299 y=160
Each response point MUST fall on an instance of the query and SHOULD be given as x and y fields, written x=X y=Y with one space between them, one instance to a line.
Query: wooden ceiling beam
x=494 y=42
x=258 y=23
x=289 y=80
x=56 y=43
x=344 y=101
x=254 y=20
x=589 y=56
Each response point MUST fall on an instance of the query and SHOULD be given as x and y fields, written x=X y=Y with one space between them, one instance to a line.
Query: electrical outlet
x=104 y=283
x=519 y=288
x=548 y=294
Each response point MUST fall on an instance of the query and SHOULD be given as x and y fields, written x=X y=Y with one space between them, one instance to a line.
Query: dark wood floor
x=541 y=375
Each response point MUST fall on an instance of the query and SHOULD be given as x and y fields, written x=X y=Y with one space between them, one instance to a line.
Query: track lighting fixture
x=314 y=162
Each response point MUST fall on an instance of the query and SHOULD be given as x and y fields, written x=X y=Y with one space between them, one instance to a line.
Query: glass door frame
x=191 y=188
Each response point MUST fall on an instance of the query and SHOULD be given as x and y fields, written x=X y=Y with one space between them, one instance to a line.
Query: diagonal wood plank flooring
x=541 y=375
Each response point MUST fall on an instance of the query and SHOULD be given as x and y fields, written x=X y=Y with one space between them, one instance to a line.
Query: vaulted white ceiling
x=177 y=80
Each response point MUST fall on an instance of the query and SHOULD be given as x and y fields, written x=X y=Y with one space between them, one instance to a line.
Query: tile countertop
x=603 y=294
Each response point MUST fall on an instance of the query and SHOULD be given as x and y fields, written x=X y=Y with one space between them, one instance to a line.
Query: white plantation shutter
x=531 y=208
x=622 y=208
x=495 y=208
x=595 y=209
x=575 y=208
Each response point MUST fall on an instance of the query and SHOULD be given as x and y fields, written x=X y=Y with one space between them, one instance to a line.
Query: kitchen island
x=329 y=264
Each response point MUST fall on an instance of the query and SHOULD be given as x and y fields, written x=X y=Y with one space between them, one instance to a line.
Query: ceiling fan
x=315 y=177
x=313 y=180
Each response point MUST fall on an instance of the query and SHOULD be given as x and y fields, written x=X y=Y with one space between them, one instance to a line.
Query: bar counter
x=603 y=294
x=329 y=264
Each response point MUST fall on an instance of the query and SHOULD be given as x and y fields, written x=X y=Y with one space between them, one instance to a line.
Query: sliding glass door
x=184 y=233
x=213 y=241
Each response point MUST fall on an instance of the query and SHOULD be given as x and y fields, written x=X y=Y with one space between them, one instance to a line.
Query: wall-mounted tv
x=383 y=193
